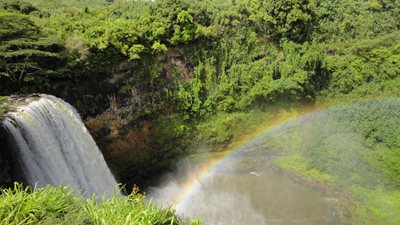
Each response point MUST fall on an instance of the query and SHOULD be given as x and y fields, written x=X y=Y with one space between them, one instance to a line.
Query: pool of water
x=247 y=189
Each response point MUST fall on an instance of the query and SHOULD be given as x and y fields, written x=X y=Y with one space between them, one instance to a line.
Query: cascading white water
x=52 y=146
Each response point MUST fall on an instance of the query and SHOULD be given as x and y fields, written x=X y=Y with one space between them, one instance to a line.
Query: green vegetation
x=3 y=105
x=25 y=54
x=203 y=57
x=354 y=148
x=59 y=205
x=191 y=74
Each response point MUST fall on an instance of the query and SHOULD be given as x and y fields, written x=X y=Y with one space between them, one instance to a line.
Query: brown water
x=246 y=189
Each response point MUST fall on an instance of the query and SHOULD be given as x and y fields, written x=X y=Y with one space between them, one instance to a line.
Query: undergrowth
x=354 y=148
x=60 y=205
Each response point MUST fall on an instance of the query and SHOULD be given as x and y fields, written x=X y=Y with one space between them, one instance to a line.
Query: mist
x=304 y=171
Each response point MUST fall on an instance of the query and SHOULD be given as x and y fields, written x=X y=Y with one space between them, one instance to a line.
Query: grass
x=298 y=164
x=60 y=205
x=355 y=151
x=377 y=206
x=369 y=206
x=222 y=130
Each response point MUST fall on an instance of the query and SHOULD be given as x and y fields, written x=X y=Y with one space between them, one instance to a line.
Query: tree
x=290 y=19
x=25 y=53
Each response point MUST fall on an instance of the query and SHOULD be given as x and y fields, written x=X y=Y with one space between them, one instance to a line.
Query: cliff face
x=130 y=151
x=136 y=131
x=128 y=114
x=5 y=165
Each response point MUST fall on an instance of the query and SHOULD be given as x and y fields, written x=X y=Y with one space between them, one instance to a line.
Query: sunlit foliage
x=60 y=205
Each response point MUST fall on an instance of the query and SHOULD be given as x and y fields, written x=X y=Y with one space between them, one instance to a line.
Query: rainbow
x=193 y=183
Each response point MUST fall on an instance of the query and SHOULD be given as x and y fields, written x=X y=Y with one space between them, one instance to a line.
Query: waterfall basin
x=247 y=189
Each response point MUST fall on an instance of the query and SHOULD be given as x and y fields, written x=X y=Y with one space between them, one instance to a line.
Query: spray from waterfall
x=249 y=183
x=51 y=145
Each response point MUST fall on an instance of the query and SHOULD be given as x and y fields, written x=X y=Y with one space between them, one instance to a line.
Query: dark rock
x=5 y=162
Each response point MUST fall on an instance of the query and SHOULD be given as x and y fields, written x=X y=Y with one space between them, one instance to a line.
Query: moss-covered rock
x=3 y=105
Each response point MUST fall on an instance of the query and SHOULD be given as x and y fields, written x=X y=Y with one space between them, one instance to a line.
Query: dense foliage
x=202 y=71
x=59 y=205
x=204 y=56
x=25 y=54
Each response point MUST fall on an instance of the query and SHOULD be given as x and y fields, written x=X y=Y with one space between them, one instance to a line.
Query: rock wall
x=5 y=162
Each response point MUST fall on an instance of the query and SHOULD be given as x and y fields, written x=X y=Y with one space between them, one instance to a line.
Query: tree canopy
x=220 y=55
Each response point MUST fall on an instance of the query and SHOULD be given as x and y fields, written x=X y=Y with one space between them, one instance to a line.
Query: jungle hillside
x=159 y=80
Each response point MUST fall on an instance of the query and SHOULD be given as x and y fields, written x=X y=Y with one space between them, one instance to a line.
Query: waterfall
x=51 y=145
